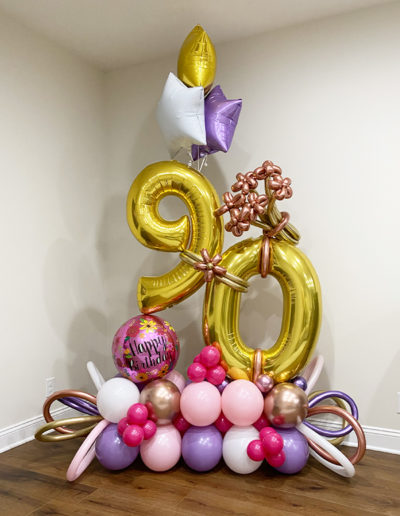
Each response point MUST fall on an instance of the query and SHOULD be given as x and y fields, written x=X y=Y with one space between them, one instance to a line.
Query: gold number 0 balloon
x=301 y=312
x=203 y=230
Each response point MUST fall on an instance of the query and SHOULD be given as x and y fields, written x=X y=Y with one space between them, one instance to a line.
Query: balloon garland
x=239 y=404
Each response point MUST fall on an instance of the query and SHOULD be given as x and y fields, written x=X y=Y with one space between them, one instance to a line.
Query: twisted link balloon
x=202 y=231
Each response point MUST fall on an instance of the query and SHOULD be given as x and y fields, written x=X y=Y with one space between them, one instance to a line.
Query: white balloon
x=95 y=375
x=115 y=397
x=180 y=115
x=234 y=449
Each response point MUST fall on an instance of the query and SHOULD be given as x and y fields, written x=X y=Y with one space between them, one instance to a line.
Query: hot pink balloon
x=163 y=450
x=242 y=402
x=200 y=403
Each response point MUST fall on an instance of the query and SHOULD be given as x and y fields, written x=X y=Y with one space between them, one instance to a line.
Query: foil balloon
x=145 y=348
x=197 y=59
x=221 y=118
x=201 y=230
x=301 y=310
x=162 y=398
x=180 y=115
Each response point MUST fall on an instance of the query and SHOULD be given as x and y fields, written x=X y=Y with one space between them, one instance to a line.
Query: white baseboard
x=15 y=435
x=379 y=439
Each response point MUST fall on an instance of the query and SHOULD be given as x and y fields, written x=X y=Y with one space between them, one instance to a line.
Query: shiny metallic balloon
x=202 y=230
x=162 y=397
x=264 y=383
x=286 y=405
x=301 y=310
x=197 y=59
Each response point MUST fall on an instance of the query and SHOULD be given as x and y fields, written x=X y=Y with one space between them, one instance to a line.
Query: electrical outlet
x=50 y=386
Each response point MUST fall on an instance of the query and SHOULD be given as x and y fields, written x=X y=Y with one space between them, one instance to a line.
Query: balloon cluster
x=190 y=116
x=239 y=404
x=136 y=426
x=207 y=366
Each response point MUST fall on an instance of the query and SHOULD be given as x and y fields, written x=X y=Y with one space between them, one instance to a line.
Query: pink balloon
x=196 y=372
x=137 y=414
x=163 y=450
x=272 y=443
x=133 y=435
x=276 y=461
x=216 y=375
x=122 y=424
x=210 y=356
x=223 y=424
x=200 y=403
x=242 y=402
x=262 y=422
x=177 y=378
x=149 y=429
x=255 y=450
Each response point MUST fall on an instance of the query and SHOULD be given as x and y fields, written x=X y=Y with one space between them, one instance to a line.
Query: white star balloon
x=180 y=115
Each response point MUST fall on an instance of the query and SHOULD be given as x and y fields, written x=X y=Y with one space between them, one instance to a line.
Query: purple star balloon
x=221 y=117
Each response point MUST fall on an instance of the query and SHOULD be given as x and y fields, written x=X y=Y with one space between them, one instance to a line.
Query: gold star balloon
x=197 y=59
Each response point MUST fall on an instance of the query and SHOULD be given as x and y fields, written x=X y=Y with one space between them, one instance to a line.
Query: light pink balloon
x=163 y=450
x=177 y=378
x=242 y=402
x=201 y=403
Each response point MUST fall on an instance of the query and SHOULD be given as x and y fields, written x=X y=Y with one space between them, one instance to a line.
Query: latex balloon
x=242 y=402
x=295 y=447
x=202 y=447
x=112 y=452
x=200 y=403
x=197 y=59
x=163 y=397
x=234 y=449
x=301 y=310
x=221 y=117
x=203 y=230
x=180 y=115
x=115 y=397
x=163 y=450
x=286 y=405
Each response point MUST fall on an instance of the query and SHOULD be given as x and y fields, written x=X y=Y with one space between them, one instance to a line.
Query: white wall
x=321 y=100
x=52 y=162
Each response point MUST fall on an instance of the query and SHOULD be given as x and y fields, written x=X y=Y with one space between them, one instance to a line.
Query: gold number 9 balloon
x=301 y=310
x=187 y=235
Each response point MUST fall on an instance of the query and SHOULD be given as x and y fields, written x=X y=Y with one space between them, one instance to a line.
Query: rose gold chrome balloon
x=163 y=397
x=286 y=405
x=264 y=383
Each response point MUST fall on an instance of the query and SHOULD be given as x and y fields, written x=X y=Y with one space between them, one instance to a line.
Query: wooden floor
x=32 y=481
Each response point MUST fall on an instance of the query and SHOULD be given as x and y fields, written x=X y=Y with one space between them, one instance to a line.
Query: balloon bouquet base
x=241 y=405
x=204 y=419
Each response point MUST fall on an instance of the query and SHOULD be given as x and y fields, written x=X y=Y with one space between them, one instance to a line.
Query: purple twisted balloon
x=81 y=405
x=333 y=394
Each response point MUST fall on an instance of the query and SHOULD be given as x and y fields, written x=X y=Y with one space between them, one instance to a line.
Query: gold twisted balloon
x=197 y=59
x=341 y=404
x=202 y=230
x=301 y=310
x=53 y=425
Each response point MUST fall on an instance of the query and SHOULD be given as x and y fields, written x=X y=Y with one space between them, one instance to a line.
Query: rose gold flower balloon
x=286 y=405
x=162 y=397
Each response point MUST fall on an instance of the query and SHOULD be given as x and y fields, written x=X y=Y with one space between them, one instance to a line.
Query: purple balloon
x=333 y=394
x=202 y=447
x=300 y=381
x=221 y=118
x=222 y=385
x=296 y=450
x=81 y=405
x=112 y=452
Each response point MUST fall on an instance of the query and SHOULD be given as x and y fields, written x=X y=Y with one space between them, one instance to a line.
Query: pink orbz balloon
x=200 y=403
x=177 y=378
x=163 y=450
x=242 y=402
x=145 y=348
x=210 y=356
x=149 y=429
x=216 y=375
